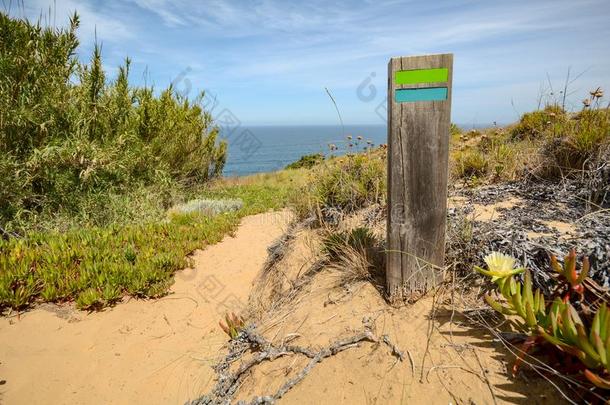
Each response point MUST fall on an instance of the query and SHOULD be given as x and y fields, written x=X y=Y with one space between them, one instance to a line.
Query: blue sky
x=268 y=62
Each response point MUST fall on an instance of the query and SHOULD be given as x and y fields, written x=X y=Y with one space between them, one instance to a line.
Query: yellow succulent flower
x=499 y=262
x=499 y=266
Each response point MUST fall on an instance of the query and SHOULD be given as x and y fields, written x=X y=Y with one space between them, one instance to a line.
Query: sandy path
x=153 y=352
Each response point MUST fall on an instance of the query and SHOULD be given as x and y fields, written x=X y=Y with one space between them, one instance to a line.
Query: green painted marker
x=421 y=76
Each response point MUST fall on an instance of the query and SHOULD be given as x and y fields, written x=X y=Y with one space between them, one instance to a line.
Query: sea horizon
x=264 y=148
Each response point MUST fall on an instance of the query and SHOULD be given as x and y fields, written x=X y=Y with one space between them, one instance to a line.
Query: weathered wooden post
x=419 y=112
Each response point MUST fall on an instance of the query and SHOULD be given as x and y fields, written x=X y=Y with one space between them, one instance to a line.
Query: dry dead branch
x=264 y=350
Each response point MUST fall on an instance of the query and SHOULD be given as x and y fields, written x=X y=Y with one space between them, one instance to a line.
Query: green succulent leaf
x=584 y=272
x=551 y=339
x=600 y=349
x=530 y=317
x=497 y=306
x=517 y=301
x=527 y=286
x=585 y=345
x=568 y=327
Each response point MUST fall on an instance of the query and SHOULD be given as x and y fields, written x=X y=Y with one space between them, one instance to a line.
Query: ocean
x=256 y=149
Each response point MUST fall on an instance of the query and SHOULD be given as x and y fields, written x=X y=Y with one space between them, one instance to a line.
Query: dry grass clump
x=493 y=156
x=536 y=123
x=357 y=254
x=343 y=185
x=340 y=189
x=580 y=144
x=470 y=163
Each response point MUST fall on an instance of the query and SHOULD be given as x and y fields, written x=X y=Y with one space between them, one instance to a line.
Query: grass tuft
x=356 y=254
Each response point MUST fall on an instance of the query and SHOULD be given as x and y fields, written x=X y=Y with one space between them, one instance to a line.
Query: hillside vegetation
x=89 y=167
x=79 y=149
x=550 y=144
x=93 y=173
x=550 y=160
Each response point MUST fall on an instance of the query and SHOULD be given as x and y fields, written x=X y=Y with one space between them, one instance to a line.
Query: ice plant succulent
x=234 y=325
x=565 y=329
x=559 y=324
x=569 y=273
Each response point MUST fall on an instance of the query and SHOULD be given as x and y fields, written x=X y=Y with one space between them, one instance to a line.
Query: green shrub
x=307 y=161
x=470 y=163
x=69 y=136
x=345 y=184
x=536 y=123
x=577 y=145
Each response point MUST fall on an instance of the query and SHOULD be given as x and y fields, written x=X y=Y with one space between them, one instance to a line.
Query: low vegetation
x=88 y=169
x=97 y=266
x=233 y=325
x=342 y=196
x=357 y=255
x=344 y=184
x=307 y=161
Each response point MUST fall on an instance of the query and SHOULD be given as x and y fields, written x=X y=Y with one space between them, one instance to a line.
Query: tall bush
x=68 y=134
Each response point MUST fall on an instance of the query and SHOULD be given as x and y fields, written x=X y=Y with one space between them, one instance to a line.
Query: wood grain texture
x=418 y=152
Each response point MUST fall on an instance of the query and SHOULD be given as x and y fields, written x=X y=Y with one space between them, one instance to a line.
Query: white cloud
x=107 y=26
x=169 y=11
x=502 y=49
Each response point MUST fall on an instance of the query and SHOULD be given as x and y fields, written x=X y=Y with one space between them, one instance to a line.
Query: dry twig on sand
x=249 y=339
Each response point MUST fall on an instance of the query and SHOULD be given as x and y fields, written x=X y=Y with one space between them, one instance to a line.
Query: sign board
x=419 y=113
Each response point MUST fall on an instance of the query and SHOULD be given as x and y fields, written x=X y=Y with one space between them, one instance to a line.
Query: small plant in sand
x=569 y=274
x=555 y=319
x=234 y=324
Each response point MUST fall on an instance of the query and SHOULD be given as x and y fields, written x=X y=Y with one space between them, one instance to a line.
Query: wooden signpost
x=419 y=111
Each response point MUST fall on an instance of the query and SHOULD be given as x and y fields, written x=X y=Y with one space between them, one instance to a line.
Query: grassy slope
x=96 y=266
x=548 y=144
